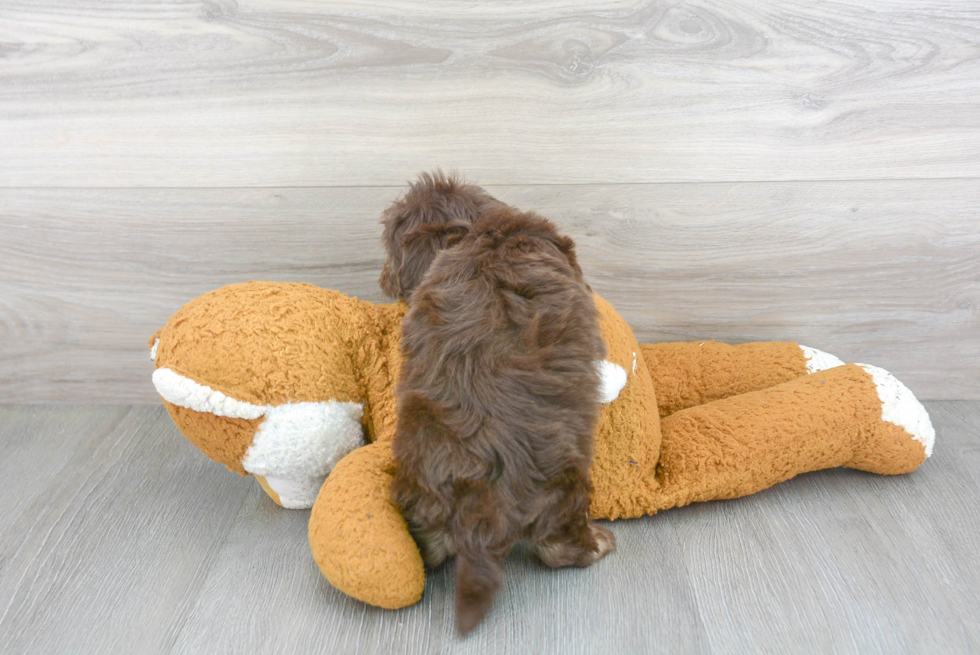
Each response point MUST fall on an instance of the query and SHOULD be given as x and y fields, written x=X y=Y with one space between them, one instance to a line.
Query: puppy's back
x=498 y=398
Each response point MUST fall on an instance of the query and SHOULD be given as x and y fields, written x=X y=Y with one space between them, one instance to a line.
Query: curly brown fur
x=436 y=211
x=497 y=403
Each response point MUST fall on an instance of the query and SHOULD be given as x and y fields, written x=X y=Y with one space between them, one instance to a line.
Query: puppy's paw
x=582 y=552
x=435 y=545
x=605 y=541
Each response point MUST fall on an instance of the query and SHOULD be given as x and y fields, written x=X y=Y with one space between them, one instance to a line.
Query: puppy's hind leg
x=435 y=544
x=563 y=536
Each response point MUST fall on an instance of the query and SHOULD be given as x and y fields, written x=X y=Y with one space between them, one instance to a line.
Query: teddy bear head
x=269 y=379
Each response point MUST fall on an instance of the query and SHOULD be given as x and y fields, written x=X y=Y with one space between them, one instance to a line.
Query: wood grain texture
x=811 y=555
x=296 y=93
x=946 y=554
x=880 y=272
x=120 y=537
x=105 y=555
x=844 y=561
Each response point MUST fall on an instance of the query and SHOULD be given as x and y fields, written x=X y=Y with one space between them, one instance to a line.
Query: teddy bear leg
x=855 y=416
x=563 y=534
x=686 y=374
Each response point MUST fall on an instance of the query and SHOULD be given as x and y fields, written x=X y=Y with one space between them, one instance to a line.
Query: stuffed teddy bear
x=293 y=384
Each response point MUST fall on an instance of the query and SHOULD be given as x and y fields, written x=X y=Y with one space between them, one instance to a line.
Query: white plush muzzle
x=295 y=447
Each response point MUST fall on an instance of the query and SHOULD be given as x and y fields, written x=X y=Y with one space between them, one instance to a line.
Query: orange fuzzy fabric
x=740 y=445
x=267 y=343
x=359 y=538
x=627 y=441
x=223 y=439
x=690 y=374
x=732 y=419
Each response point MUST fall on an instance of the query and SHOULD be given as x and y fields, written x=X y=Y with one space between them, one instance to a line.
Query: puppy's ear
x=450 y=235
x=419 y=250
x=438 y=207
x=389 y=279
x=567 y=247
x=455 y=236
x=394 y=219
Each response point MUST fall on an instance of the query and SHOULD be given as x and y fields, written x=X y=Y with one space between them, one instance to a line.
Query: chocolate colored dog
x=497 y=405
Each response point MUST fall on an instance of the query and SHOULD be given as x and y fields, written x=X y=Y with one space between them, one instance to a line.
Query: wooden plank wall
x=801 y=171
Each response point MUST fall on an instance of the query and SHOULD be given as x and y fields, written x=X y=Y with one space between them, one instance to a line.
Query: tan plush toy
x=294 y=385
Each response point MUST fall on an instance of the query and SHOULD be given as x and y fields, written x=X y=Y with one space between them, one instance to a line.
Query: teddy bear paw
x=818 y=360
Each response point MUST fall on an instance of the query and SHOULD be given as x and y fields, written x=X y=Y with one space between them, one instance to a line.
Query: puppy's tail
x=480 y=544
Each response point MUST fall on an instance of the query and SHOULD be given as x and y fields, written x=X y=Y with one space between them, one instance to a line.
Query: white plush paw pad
x=612 y=380
x=901 y=407
x=818 y=360
x=304 y=440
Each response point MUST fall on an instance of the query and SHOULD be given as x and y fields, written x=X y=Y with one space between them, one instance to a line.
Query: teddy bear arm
x=687 y=374
x=854 y=416
x=359 y=538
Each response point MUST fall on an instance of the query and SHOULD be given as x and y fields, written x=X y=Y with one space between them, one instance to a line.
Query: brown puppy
x=435 y=212
x=497 y=403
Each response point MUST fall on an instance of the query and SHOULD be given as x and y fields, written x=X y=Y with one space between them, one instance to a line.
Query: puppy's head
x=435 y=213
x=505 y=230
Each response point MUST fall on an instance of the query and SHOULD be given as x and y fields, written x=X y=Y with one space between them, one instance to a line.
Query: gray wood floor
x=119 y=537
